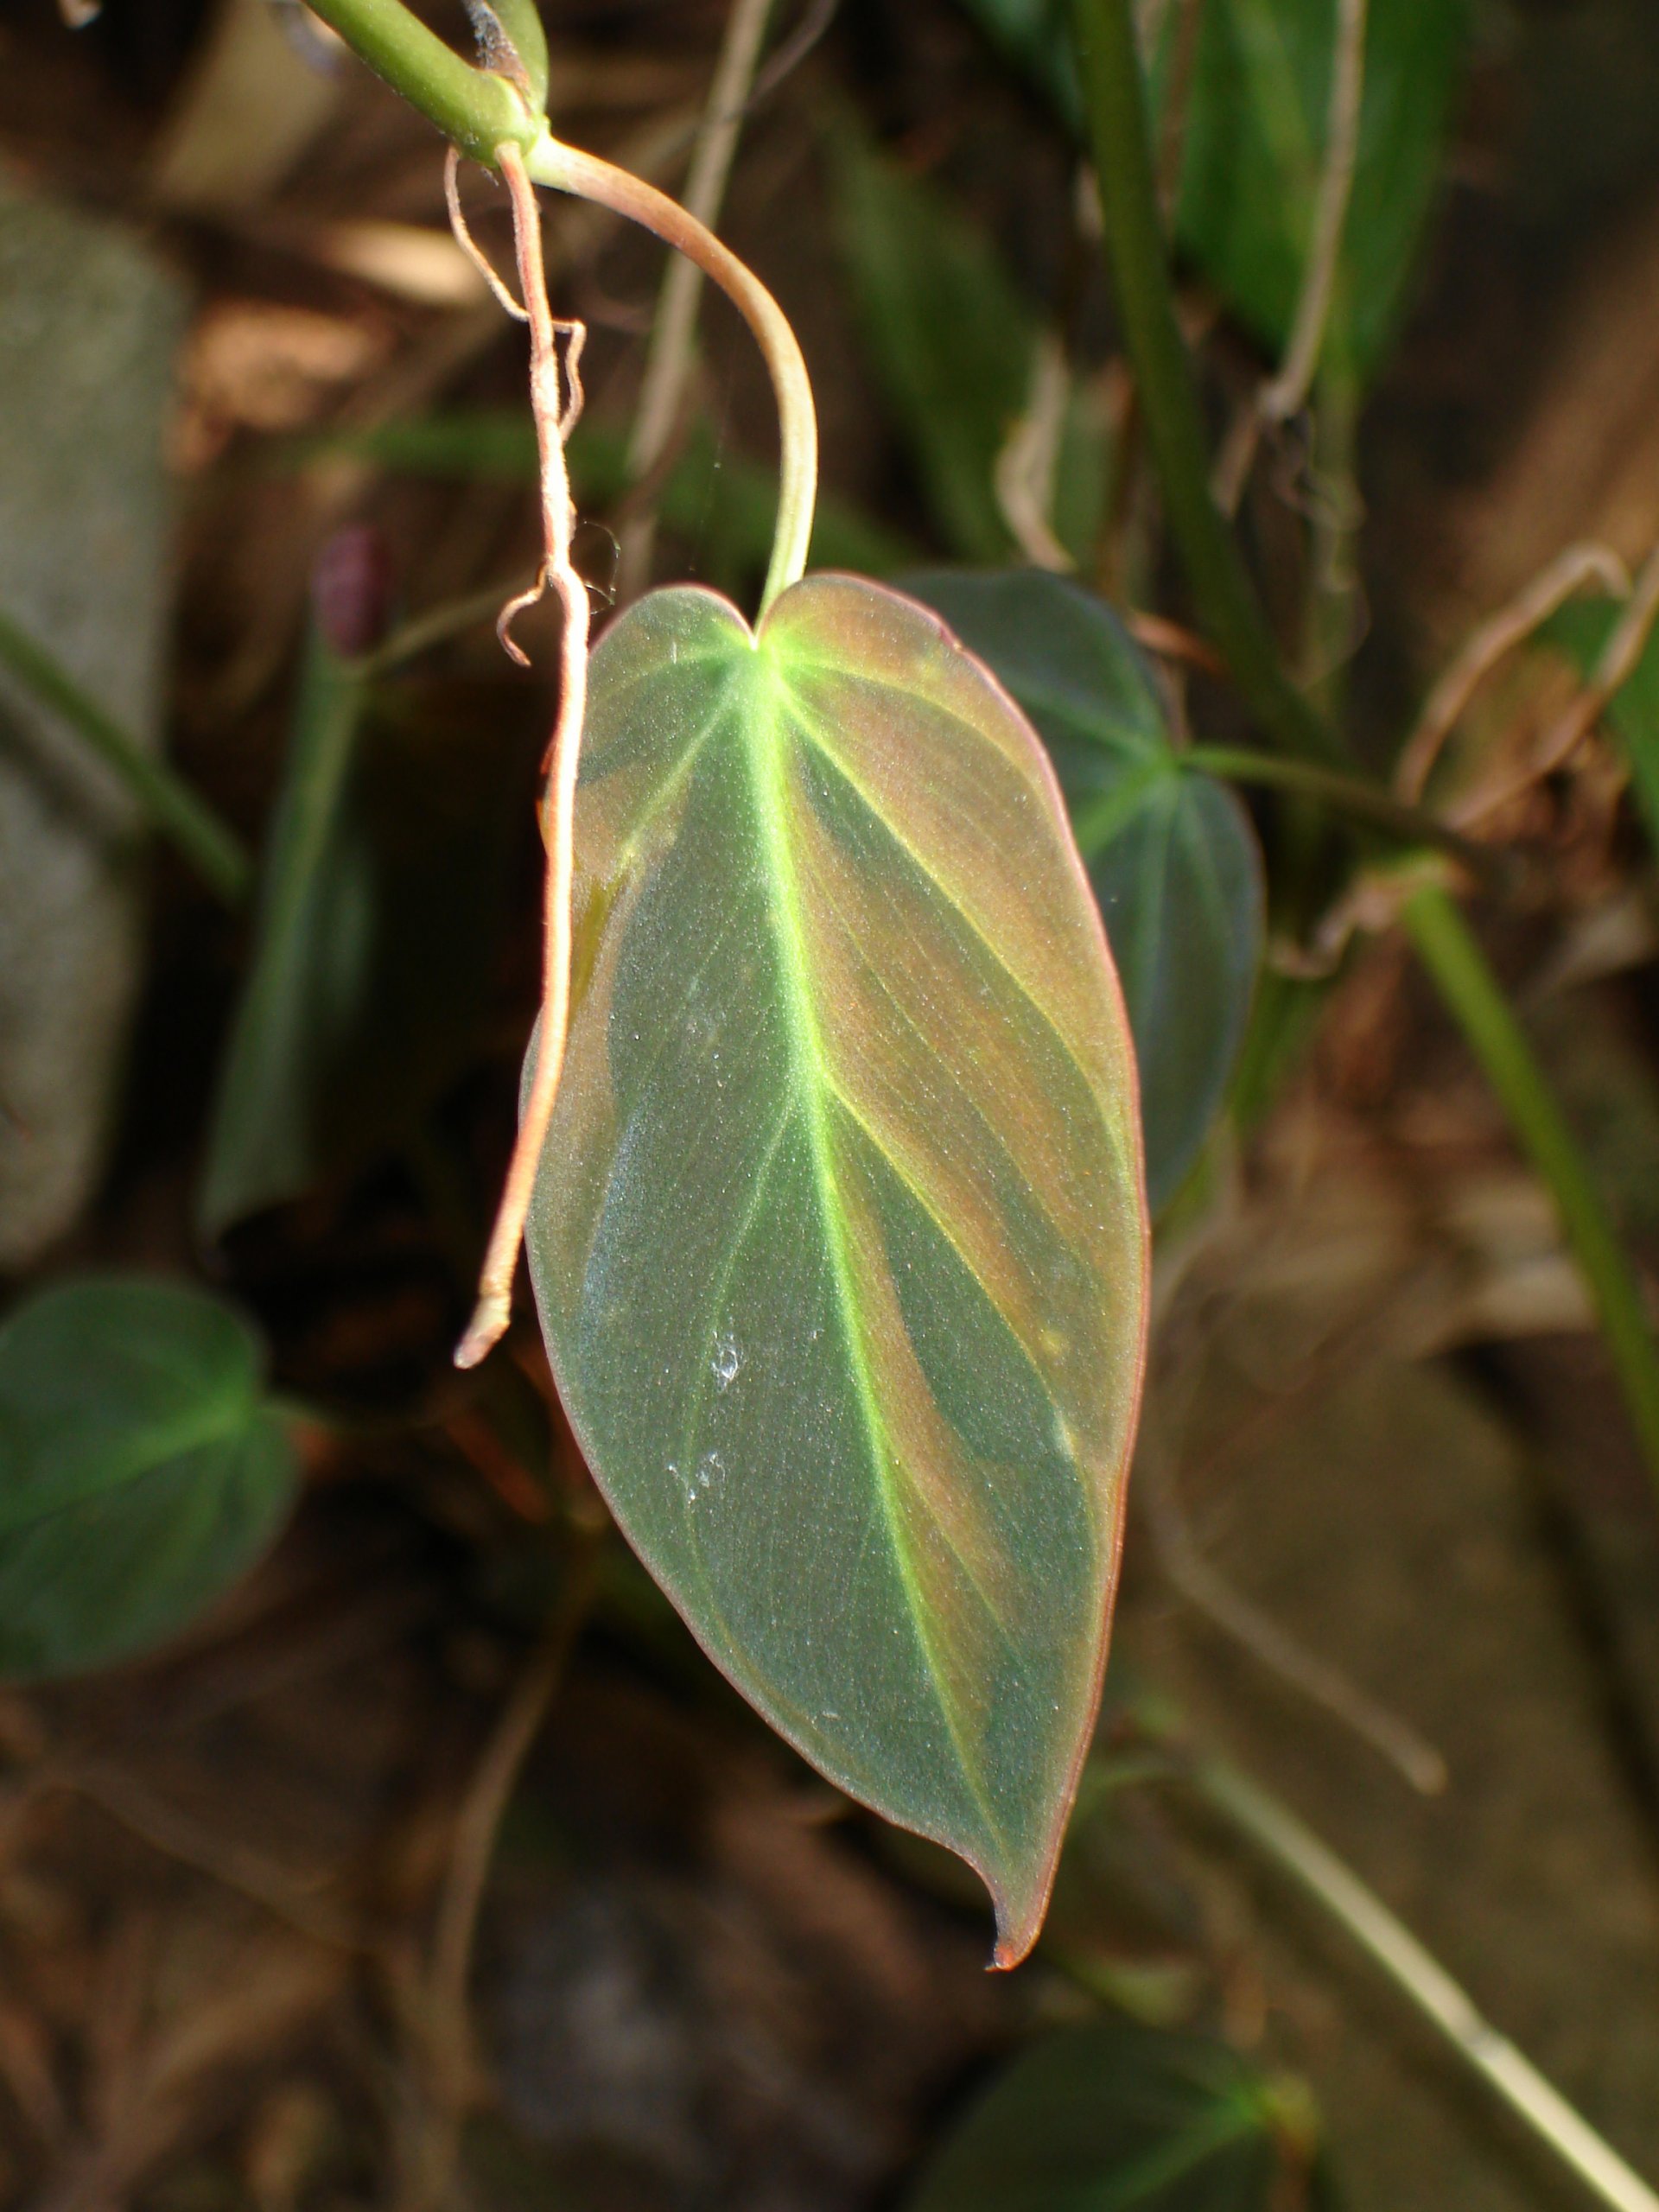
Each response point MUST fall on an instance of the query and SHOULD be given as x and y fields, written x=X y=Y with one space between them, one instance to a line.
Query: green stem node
x=1344 y=794
x=479 y=109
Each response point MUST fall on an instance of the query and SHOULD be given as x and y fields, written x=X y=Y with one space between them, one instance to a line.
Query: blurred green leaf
x=1255 y=144
x=952 y=341
x=1171 y=854
x=839 y=1243
x=142 y=1468
x=382 y=897
x=722 y=502
x=1582 y=629
x=1036 y=34
x=1117 y=2115
x=304 y=993
x=1254 y=134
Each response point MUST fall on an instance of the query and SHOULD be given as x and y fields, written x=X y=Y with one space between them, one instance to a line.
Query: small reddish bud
x=351 y=590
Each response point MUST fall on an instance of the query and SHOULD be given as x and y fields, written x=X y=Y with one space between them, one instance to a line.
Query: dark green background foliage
x=142 y=1468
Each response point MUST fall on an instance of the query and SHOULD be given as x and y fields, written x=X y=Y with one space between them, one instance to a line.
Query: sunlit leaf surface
x=1173 y=855
x=840 y=1240
x=142 y=1468
x=1115 y=2116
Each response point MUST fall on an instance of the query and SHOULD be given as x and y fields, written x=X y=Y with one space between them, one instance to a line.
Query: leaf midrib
x=762 y=737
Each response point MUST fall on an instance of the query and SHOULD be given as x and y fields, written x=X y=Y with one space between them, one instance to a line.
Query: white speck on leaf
x=710 y=1468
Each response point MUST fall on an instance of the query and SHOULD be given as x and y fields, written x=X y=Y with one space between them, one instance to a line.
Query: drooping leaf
x=1254 y=134
x=839 y=1240
x=142 y=1468
x=1117 y=2115
x=1171 y=854
x=384 y=889
x=950 y=338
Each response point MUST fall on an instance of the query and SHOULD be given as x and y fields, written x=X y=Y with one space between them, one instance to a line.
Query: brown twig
x=1614 y=668
x=1284 y=394
x=1492 y=642
x=556 y=400
x=170 y=1831
x=1195 y=1576
x=447 y=2019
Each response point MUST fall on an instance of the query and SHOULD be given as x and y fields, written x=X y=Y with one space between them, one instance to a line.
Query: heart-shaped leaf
x=1171 y=854
x=142 y=1468
x=840 y=1240
x=1116 y=2116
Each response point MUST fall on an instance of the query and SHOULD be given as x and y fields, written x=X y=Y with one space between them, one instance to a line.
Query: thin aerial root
x=556 y=399
x=575 y=335
x=466 y=241
x=515 y=607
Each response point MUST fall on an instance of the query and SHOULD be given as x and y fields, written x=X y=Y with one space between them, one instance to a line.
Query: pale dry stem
x=1614 y=669
x=1493 y=641
x=1195 y=1577
x=1284 y=394
x=555 y=401
x=1030 y=458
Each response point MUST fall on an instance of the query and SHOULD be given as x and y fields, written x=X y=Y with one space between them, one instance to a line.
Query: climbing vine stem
x=588 y=177
x=482 y=111
x=478 y=109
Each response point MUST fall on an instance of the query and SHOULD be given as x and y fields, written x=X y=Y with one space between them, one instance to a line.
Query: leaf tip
x=1021 y=1912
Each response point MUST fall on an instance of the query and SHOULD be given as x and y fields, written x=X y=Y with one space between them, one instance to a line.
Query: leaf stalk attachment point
x=567 y=169
x=483 y=112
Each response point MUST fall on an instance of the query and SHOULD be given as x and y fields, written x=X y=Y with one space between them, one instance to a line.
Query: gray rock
x=89 y=325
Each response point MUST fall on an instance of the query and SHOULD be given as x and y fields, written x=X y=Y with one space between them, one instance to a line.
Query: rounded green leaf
x=840 y=1239
x=1110 y=2116
x=141 y=1468
x=1173 y=855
